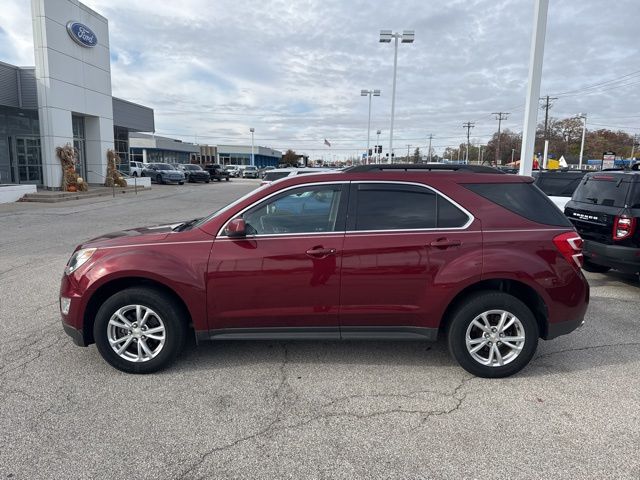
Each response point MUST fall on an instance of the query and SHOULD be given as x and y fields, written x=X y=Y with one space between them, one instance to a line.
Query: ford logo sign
x=81 y=34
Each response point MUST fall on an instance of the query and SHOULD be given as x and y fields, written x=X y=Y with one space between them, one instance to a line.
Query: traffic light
x=370 y=152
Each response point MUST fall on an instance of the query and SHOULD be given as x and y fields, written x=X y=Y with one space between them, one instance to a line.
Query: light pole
x=407 y=36
x=369 y=93
x=583 y=116
x=378 y=143
x=252 y=159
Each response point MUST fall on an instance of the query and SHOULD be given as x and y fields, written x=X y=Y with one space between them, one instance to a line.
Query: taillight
x=623 y=227
x=569 y=244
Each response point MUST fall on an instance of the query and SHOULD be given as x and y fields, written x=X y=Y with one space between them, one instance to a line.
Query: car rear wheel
x=139 y=330
x=159 y=179
x=594 y=267
x=180 y=183
x=492 y=334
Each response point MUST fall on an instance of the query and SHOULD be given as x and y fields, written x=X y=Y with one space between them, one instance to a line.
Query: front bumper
x=625 y=259
x=76 y=335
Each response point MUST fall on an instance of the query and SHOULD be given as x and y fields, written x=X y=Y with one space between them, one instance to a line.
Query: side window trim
x=340 y=221
x=353 y=205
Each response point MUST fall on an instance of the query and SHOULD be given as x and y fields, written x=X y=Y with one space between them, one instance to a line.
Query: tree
x=416 y=155
x=508 y=140
x=290 y=158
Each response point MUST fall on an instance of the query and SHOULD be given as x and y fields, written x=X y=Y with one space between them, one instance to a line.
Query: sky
x=293 y=70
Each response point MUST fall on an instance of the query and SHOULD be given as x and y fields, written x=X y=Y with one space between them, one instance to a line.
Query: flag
x=326 y=142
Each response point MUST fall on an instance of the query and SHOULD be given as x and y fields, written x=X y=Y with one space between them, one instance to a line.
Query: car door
x=285 y=273
x=401 y=240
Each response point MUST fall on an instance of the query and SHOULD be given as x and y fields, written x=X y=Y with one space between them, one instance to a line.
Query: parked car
x=232 y=170
x=194 y=173
x=263 y=171
x=559 y=185
x=605 y=209
x=217 y=172
x=163 y=173
x=250 y=171
x=374 y=252
x=135 y=169
x=279 y=173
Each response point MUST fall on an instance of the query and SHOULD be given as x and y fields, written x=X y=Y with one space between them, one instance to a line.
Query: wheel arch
x=523 y=292
x=109 y=288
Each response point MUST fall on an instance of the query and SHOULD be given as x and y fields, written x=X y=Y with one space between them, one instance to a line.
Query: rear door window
x=603 y=189
x=381 y=206
x=524 y=199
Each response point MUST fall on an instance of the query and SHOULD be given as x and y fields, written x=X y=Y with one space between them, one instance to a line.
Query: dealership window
x=77 y=124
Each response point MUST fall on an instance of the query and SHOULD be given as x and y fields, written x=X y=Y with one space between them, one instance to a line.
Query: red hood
x=135 y=235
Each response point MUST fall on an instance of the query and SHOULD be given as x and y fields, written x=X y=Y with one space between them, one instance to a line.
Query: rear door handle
x=320 y=252
x=445 y=243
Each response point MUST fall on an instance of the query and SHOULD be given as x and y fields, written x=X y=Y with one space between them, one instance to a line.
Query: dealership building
x=66 y=99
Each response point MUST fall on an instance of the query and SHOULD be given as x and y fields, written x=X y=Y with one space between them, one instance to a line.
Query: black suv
x=605 y=209
x=217 y=172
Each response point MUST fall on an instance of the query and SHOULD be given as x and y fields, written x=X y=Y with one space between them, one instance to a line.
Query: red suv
x=398 y=252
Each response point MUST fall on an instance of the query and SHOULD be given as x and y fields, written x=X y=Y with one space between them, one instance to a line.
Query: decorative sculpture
x=113 y=175
x=71 y=181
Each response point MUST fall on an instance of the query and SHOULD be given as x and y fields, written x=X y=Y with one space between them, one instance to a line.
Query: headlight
x=78 y=259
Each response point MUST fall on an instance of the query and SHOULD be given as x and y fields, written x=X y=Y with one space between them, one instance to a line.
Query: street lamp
x=252 y=130
x=407 y=36
x=369 y=93
x=583 y=116
x=378 y=143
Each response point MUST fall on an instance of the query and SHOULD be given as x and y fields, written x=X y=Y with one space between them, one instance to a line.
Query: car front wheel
x=492 y=334
x=139 y=330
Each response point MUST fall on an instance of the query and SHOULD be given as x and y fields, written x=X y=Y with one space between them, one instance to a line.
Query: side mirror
x=236 y=228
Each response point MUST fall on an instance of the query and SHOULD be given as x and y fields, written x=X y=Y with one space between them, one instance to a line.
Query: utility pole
x=547 y=106
x=429 y=149
x=408 y=147
x=499 y=116
x=468 y=126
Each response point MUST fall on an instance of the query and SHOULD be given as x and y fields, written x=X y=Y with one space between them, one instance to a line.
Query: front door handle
x=445 y=243
x=321 y=252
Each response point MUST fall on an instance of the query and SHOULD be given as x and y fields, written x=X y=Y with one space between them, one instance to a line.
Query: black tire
x=171 y=313
x=159 y=179
x=226 y=179
x=180 y=183
x=594 y=267
x=207 y=181
x=476 y=304
x=135 y=174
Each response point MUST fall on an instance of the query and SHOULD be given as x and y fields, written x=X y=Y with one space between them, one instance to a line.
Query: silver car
x=163 y=173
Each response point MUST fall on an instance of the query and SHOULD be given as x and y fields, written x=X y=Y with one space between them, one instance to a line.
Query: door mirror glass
x=236 y=228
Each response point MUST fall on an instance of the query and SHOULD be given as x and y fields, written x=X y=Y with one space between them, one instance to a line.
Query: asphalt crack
x=592 y=347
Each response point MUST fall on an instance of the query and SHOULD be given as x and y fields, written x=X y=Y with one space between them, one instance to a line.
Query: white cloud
x=294 y=70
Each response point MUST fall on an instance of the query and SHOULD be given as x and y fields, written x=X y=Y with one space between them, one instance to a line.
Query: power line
x=547 y=106
x=589 y=87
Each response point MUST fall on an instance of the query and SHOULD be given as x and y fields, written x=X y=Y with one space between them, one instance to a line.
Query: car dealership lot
x=299 y=410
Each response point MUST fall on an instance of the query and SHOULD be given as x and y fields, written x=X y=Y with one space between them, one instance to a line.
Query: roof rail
x=423 y=166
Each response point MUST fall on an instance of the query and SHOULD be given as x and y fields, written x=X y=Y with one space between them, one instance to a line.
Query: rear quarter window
x=524 y=199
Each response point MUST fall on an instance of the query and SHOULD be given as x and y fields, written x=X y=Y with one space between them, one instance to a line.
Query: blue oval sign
x=81 y=34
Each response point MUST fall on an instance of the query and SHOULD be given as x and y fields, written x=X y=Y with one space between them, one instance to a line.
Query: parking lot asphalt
x=320 y=410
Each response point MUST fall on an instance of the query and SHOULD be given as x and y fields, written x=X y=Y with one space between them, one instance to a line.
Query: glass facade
x=245 y=159
x=20 y=159
x=121 y=147
x=160 y=156
x=77 y=124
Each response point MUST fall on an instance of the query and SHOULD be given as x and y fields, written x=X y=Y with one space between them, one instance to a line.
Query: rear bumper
x=625 y=259
x=562 y=328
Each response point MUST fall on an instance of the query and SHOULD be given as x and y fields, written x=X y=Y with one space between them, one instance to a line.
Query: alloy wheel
x=136 y=333
x=495 y=338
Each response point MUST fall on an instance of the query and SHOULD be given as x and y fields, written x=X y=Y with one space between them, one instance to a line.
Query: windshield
x=204 y=220
x=603 y=189
x=162 y=166
x=192 y=167
x=272 y=176
x=251 y=168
